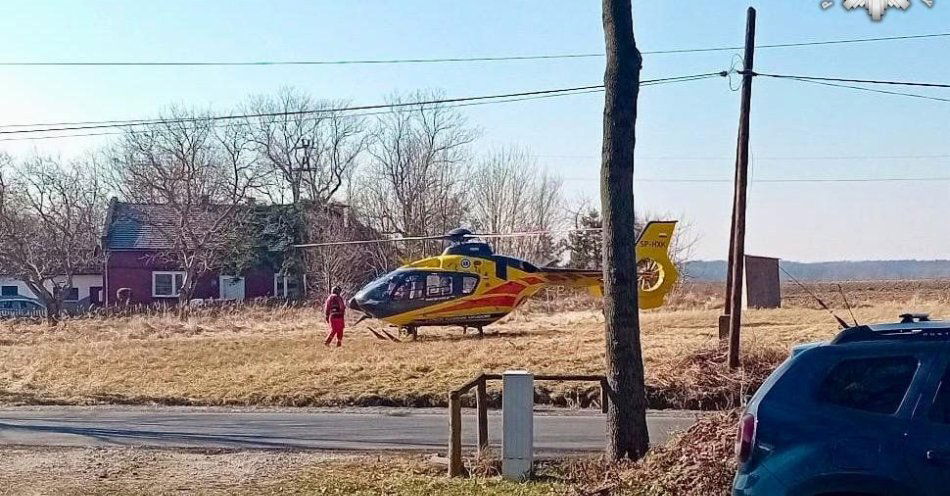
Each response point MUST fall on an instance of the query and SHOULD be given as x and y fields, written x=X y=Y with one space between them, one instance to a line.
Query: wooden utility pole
x=627 y=436
x=739 y=207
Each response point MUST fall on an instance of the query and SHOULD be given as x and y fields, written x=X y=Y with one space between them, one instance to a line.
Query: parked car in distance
x=19 y=306
x=867 y=413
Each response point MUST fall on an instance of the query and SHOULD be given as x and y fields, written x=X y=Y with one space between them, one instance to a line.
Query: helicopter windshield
x=380 y=288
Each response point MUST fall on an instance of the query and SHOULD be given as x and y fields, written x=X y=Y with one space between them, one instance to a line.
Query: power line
x=781 y=180
x=76 y=126
x=764 y=158
x=363 y=114
x=847 y=80
x=871 y=90
x=87 y=125
x=506 y=58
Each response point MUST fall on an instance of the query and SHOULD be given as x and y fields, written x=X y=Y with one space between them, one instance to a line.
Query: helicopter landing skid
x=411 y=331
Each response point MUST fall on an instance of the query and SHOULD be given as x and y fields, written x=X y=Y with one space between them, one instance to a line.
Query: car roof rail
x=904 y=330
x=908 y=318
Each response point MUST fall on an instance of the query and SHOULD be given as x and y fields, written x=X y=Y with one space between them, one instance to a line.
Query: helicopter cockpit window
x=412 y=288
x=469 y=283
x=439 y=285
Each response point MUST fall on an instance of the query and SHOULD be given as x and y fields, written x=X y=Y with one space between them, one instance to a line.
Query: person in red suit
x=334 y=311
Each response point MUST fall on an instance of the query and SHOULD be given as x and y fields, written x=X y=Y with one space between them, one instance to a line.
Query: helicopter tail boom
x=656 y=272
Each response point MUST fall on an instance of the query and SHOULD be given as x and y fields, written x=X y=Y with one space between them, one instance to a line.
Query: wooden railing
x=481 y=408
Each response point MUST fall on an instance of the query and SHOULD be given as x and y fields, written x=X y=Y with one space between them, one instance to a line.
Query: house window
x=70 y=294
x=167 y=284
x=9 y=291
x=286 y=286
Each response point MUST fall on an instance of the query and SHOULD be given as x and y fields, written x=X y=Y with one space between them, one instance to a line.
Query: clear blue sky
x=798 y=221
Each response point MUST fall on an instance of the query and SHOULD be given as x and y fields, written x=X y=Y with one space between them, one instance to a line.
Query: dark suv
x=867 y=413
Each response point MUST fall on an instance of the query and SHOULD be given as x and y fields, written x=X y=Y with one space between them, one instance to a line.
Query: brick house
x=132 y=248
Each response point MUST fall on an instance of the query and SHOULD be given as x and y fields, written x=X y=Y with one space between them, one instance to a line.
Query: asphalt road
x=363 y=430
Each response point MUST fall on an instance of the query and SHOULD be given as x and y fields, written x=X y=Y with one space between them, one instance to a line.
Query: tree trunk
x=627 y=435
x=54 y=307
x=188 y=287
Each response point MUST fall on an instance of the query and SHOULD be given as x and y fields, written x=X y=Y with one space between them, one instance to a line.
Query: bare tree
x=583 y=245
x=193 y=179
x=50 y=217
x=515 y=195
x=414 y=182
x=348 y=266
x=292 y=128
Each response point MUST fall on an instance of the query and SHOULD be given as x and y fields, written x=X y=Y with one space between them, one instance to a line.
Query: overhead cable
x=439 y=60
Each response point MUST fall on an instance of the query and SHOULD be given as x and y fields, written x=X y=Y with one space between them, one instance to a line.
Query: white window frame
x=176 y=291
x=280 y=284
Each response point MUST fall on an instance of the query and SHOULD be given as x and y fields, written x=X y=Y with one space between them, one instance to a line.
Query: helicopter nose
x=354 y=304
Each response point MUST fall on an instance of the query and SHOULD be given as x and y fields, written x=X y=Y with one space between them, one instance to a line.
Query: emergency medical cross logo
x=875 y=8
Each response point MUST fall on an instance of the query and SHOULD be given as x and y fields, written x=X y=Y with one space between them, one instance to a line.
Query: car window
x=940 y=411
x=875 y=385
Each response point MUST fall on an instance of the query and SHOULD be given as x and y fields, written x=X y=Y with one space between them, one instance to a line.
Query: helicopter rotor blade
x=368 y=241
x=535 y=233
x=447 y=237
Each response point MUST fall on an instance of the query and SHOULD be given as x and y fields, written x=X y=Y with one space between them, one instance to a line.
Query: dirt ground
x=137 y=471
x=66 y=471
x=264 y=356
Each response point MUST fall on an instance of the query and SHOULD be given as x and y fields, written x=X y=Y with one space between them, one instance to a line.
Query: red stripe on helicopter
x=491 y=301
x=510 y=288
x=533 y=280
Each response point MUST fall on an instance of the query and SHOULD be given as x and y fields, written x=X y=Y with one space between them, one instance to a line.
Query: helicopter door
x=501 y=268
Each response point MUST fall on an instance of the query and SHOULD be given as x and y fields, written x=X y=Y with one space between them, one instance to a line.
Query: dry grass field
x=261 y=356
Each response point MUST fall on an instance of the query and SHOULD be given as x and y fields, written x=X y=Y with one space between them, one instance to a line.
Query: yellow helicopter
x=469 y=285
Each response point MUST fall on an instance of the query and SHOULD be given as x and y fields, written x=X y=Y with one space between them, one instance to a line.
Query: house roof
x=126 y=228
x=138 y=226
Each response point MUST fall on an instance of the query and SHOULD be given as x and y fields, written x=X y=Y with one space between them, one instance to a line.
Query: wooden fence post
x=455 y=435
x=481 y=405
x=604 y=395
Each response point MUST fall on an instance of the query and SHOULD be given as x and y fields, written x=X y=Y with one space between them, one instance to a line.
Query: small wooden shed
x=762 y=288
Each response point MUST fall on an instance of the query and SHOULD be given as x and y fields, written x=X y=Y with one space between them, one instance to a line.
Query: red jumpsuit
x=333 y=311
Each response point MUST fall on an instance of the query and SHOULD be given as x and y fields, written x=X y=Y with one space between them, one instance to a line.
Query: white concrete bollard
x=517 y=416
